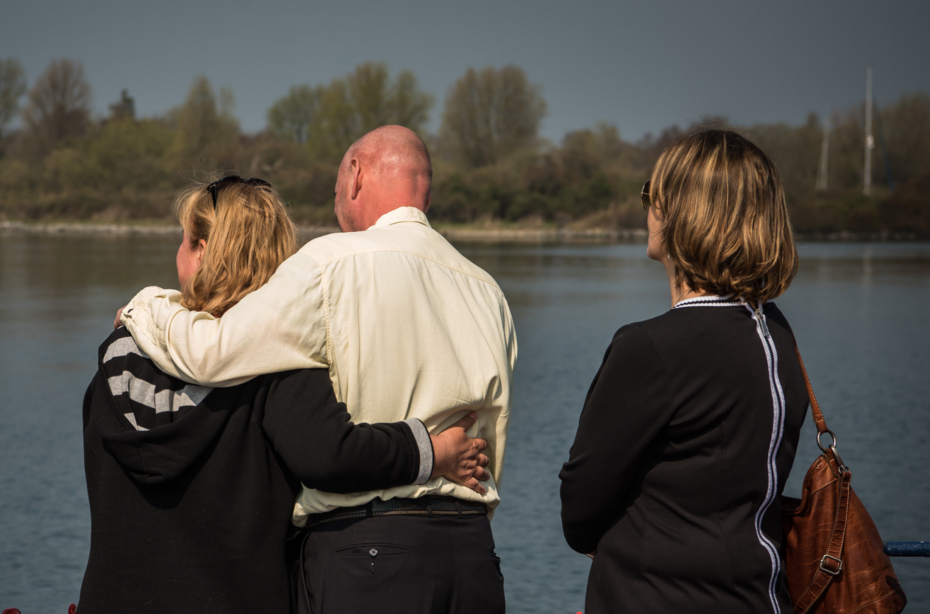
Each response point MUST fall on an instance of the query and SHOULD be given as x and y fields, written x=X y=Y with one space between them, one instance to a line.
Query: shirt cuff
x=138 y=316
x=425 y=445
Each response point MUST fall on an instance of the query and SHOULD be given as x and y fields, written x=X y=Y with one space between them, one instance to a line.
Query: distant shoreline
x=466 y=234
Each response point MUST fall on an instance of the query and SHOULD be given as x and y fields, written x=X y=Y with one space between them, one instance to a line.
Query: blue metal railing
x=907 y=548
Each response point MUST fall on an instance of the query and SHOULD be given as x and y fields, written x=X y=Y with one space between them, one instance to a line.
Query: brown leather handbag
x=834 y=559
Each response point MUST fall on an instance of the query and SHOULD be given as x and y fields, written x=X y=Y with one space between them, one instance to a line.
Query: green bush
x=123 y=168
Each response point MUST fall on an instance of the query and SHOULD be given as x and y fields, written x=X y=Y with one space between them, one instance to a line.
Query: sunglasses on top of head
x=214 y=187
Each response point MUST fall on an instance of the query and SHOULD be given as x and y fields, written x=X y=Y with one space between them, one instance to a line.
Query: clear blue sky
x=642 y=66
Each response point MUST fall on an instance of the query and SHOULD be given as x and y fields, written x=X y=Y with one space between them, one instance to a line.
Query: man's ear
x=429 y=201
x=355 y=178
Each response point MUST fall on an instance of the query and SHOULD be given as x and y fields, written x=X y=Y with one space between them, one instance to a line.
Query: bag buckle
x=839 y=565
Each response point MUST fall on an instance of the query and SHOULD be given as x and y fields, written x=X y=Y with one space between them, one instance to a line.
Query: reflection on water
x=859 y=312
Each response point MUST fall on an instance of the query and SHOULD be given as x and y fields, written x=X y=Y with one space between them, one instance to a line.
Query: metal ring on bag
x=820 y=445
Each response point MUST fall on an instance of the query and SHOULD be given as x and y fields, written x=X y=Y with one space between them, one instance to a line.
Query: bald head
x=386 y=169
x=393 y=150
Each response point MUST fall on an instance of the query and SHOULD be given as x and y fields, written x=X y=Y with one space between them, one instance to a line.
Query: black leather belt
x=428 y=506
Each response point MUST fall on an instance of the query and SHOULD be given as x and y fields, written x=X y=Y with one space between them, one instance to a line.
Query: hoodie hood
x=158 y=425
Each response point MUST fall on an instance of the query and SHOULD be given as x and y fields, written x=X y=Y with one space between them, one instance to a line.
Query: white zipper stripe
x=778 y=426
x=778 y=423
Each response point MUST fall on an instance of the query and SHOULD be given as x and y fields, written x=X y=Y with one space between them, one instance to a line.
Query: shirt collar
x=402 y=215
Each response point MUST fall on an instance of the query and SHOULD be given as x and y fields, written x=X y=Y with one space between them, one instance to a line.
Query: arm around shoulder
x=280 y=326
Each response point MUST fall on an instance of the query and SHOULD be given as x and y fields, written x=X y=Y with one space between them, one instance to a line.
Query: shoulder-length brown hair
x=724 y=219
x=248 y=235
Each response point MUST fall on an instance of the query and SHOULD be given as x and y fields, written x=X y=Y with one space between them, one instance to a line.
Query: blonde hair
x=724 y=218
x=248 y=235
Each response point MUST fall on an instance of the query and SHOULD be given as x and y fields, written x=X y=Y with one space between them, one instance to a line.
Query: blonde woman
x=191 y=489
x=690 y=428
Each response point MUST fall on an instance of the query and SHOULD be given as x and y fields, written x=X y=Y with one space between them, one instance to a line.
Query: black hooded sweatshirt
x=191 y=489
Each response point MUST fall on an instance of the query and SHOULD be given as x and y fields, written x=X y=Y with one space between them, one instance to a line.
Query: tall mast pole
x=824 y=152
x=869 y=141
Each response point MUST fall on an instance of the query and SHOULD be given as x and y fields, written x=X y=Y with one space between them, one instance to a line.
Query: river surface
x=860 y=312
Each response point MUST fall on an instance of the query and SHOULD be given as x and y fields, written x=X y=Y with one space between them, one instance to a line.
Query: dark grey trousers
x=402 y=564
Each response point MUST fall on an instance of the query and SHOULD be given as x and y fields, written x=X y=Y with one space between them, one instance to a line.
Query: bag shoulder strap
x=831 y=564
x=819 y=422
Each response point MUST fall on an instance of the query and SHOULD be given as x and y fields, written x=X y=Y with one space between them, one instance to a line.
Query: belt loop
x=458 y=507
x=369 y=510
x=429 y=507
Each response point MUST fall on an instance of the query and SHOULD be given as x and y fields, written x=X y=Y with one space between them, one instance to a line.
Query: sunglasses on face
x=647 y=201
x=214 y=187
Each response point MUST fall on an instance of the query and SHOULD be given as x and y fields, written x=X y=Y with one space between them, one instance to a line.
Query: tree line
x=490 y=164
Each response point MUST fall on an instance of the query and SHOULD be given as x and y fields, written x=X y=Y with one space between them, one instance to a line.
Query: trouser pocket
x=404 y=565
x=374 y=558
x=366 y=576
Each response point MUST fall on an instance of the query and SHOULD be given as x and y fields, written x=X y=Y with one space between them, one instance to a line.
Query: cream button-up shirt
x=406 y=326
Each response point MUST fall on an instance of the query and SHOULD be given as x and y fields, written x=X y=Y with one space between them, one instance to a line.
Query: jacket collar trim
x=710 y=301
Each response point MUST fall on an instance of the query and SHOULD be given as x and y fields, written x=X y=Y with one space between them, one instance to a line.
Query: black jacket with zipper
x=687 y=437
x=191 y=489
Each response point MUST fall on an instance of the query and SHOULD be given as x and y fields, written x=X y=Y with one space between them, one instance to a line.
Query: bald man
x=408 y=329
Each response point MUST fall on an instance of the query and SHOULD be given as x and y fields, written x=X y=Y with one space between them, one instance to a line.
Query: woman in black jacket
x=691 y=425
x=192 y=489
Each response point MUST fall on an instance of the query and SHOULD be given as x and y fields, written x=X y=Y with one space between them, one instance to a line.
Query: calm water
x=860 y=313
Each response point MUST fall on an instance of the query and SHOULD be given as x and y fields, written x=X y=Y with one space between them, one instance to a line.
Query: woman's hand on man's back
x=457 y=457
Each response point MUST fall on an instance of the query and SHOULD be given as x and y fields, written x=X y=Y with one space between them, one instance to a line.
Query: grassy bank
x=491 y=232
x=832 y=215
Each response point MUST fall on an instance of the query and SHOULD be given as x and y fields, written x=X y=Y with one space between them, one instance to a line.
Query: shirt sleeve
x=626 y=408
x=320 y=445
x=281 y=326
